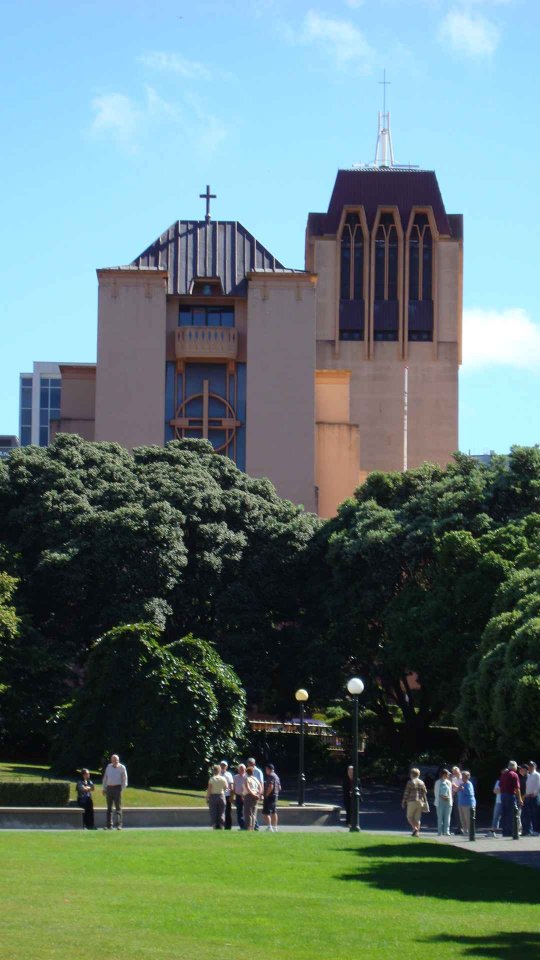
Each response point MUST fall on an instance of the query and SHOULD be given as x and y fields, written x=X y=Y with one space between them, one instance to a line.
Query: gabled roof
x=382 y=186
x=192 y=249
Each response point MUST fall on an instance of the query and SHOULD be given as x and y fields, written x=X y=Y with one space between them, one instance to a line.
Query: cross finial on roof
x=384 y=152
x=384 y=83
x=208 y=197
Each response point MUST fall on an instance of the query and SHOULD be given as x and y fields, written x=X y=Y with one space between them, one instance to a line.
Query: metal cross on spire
x=384 y=151
x=208 y=197
x=384 y=83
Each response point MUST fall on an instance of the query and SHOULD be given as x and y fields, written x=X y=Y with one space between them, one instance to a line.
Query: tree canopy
x=168 y=709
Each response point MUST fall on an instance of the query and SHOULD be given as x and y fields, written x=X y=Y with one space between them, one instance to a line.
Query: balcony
x=206 y=343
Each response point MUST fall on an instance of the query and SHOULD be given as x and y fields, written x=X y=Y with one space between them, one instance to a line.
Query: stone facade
x=312 y=378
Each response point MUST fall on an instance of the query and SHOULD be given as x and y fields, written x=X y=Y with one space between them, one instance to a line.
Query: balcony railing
x=199 y=342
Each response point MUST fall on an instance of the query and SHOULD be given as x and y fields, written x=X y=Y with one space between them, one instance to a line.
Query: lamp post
x=355 y=687
x=301 y=696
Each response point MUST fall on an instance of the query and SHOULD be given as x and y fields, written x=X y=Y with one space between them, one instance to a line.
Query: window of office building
x=26 y=411
x=206 y=316
x=49 y=406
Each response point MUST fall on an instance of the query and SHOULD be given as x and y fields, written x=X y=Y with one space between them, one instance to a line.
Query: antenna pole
x=405 y=418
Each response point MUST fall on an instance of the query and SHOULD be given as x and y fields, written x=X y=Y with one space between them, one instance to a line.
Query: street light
x=301 y=695
x=355 y=686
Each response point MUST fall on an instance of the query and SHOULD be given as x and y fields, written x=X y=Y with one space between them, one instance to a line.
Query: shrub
x=27 y=793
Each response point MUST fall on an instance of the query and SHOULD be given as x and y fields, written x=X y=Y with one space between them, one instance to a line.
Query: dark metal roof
x=192 y=249
x=372 y=188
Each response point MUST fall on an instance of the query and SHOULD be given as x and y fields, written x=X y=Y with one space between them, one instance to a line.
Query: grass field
x=187 y=895
x=133 y=796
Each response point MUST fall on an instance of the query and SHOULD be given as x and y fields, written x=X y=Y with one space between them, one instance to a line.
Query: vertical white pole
x=405 y=416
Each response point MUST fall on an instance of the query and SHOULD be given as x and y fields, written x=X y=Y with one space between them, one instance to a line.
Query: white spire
x=384 y=152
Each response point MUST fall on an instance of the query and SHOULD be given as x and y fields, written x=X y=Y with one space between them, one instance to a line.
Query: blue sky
x=116 y=115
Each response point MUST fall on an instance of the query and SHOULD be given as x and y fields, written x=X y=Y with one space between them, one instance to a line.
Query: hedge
x=27 y=793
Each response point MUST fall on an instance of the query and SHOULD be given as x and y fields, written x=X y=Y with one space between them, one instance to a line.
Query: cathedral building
x=313 y=378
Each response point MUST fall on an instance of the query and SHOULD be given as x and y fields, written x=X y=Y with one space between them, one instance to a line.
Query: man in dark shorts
x=272 y=786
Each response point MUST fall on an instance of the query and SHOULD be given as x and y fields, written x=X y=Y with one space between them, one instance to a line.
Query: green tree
x=176 y=536
x=405 y=577
x=500 y=707
x=168 y=710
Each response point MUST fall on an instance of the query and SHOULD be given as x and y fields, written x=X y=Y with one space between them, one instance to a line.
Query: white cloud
x=342 y=41
x=117 y=115
x=126 y=120
x=174 y=63
x=503 y=338
x=468 y=33
x=133 y=123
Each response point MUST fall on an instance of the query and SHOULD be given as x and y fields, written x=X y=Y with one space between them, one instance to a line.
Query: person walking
x=466 y=802
x=215 y=797
x=530 y=816
x=510 y=798
x=115 y=781
x=228 y=793
x=252 y=794
x=414 y=800
x=85 y=789
x=443 y=799
x=239 y=781
x=272 y=786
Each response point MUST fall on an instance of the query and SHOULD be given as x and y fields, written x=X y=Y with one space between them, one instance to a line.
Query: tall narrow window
x=420 y=279
x=386 y=279
x=351 y=313
x=352 y=259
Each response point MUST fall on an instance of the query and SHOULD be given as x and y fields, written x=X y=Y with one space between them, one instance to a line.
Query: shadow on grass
x=10 y=771
x=447 y=873
x=498 y=946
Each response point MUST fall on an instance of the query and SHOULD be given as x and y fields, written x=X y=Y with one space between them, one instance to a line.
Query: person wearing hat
x=272 y=786
x=225 y=772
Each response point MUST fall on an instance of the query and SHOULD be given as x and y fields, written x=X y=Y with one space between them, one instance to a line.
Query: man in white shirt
x=530 y=815
x=259 y=775
x=225 y=772
x=115 y=781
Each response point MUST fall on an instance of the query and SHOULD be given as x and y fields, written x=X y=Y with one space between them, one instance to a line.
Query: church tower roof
x=198 y=249
x=371 y=188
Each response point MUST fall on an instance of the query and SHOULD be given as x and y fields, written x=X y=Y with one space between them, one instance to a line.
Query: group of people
x=517 y=796
x=114 y=782
x=248 y=786
x=517 y=801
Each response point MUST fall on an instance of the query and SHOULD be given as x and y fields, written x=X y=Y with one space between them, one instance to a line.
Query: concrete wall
x=377 y=384
x=130 y=384
x=78 y=402
x=280 y=383
x=337 y=441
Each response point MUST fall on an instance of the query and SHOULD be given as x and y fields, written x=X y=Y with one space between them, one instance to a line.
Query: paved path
x=525 y=851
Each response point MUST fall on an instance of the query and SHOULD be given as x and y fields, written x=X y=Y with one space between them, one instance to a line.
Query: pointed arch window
x=386 y=320
x=421 y=279
x=351 y=313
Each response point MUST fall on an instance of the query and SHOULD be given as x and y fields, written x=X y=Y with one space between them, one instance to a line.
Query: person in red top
x=510 y=797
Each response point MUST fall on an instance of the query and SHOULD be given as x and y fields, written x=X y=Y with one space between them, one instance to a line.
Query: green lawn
x=133 y=796
x=188 y=895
